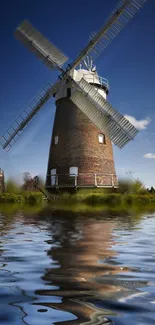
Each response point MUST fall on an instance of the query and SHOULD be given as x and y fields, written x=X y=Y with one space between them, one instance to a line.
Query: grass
x=129 y=195
x=27 y=197
x=90 y=198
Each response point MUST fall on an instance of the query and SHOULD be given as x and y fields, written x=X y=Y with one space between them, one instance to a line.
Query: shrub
x=125 y=186
x=109 y=199
x=138 y=187
x=113 y=199
x=131 y=186
x=11 y=186
x=10 y=197
x=33 y=197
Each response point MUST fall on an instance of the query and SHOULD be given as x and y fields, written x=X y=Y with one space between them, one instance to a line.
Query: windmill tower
x=80 y=153
x=85 y=122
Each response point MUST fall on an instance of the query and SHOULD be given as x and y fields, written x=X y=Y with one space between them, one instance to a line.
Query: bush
x=12 y=187
x=125 y=186
x=131 y=186
x=109 y=199
x=33 y=197
x=113 y=199
x=10 y=197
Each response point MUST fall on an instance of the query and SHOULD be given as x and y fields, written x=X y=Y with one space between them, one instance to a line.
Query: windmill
x=85 y=123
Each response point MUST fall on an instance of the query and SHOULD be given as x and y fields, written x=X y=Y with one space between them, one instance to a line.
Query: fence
x=81 y=180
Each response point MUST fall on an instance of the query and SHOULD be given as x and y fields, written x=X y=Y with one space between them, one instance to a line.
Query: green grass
x=130 y=196
x=90 y=197
x=27 y=197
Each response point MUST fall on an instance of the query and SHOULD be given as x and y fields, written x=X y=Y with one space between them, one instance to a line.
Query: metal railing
x=81 y=180
x=93 y=78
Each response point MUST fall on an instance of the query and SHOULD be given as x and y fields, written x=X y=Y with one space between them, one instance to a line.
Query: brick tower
x=80 y=154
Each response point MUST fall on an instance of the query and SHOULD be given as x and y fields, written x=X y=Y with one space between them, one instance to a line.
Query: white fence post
x=75 y=180
x=112 y=181
x=95 y=180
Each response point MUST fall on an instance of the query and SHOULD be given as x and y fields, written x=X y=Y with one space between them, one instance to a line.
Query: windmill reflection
x=78 y=251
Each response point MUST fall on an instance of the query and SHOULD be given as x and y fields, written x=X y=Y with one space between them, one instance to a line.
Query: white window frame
x=101 y=138
x=73 y=171
x=53 y=176
x=56 y=139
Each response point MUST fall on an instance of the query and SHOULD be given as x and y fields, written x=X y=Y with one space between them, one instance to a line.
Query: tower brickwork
x=80 y=154
x=78 y=147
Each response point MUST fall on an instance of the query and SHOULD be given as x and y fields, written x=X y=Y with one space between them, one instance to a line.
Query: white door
x=73 y=171
x=53 y=176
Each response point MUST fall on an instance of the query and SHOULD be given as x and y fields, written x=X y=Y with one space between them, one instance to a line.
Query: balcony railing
x=81 y=180
x=92 y=78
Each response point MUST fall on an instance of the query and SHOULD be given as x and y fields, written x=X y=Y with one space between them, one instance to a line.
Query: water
x=62 y=269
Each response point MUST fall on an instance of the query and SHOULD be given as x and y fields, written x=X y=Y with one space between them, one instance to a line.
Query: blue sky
x=128 y=63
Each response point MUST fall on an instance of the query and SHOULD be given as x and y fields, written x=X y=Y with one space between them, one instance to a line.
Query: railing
x=81 y=180
x=93 y=78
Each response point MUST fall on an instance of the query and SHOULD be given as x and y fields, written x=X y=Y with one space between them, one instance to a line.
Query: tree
x=138 y=186
x=32 y=183
x=28 y=184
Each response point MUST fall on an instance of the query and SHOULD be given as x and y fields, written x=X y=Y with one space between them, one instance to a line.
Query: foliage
x=138 y=187
x=33 y=197
x=112 y=199
x=41 y=183
x=10 y=197
x=30 y=197
x=129 y=193
x=28 y=184
x=152 y=190
x=131 y=186
x=11 y=186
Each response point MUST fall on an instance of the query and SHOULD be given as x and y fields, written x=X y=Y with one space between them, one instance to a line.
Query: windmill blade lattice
x=103 y=115
x=124 y=12
x=39 y=45
x=117 y=126
x=10 y=137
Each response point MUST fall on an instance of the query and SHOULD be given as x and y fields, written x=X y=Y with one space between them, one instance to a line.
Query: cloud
x=149 y=156
x=141 y=124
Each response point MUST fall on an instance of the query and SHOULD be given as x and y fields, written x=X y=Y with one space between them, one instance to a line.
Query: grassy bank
x=90 y=198
x=129 y=194
x=25 y=197
x=106 y=199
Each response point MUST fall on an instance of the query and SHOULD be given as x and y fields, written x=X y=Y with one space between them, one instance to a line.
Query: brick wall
x=78 y=143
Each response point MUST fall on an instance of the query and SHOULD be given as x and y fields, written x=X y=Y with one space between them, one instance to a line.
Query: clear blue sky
x=128 y=63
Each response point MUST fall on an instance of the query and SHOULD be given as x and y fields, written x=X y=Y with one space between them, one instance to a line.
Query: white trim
x=53 y=176
x=73 y=171
x=101 y=138
x=56 y=139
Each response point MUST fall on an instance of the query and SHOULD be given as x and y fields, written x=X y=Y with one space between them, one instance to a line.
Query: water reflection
x=56 y=270
x=79 y=251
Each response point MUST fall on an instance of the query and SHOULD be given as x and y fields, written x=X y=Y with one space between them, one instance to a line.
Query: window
x=101 y=138
x=73 y=171
x=53 y=176
x=68 y=92
x=56 y=139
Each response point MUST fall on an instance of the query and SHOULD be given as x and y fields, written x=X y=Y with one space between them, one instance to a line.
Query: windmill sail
x=39 y=45
x=102 y=114
x=85 y=97
x=13 y=133
x=124 y=12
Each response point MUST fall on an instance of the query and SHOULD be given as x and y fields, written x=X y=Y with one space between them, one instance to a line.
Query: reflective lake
x=77 y=269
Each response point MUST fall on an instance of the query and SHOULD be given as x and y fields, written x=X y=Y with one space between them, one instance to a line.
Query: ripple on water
x=79 y=271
